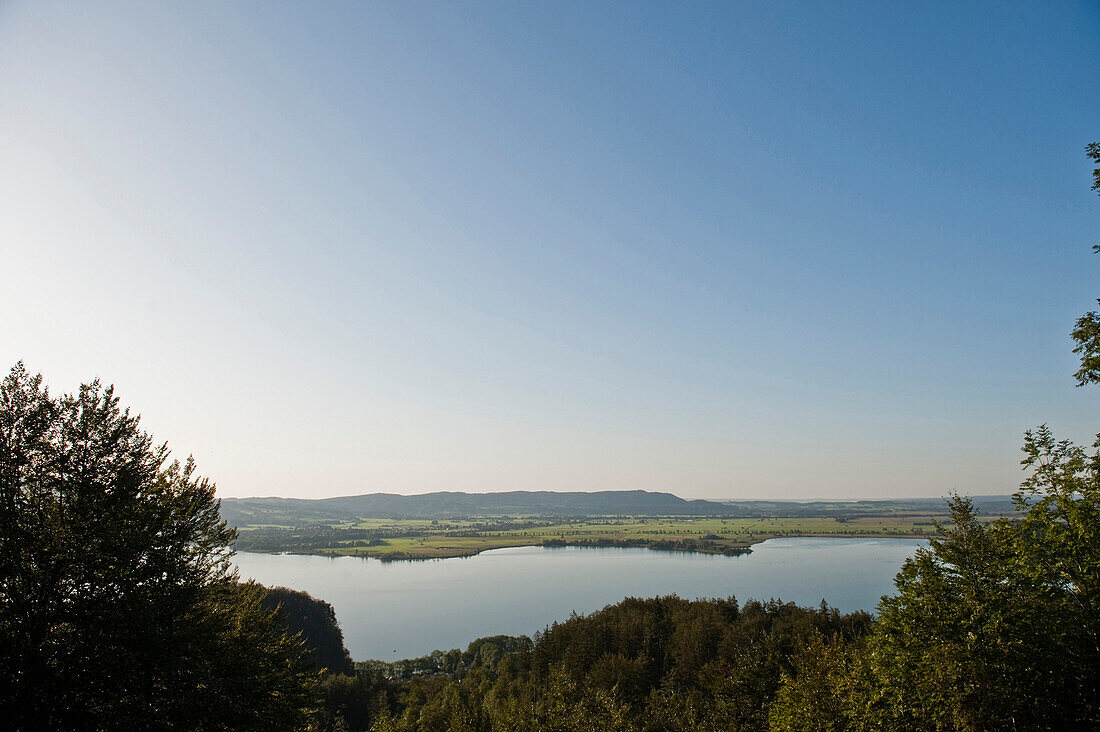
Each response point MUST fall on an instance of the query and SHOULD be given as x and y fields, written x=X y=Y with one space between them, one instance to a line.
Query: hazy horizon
x=784 y=251
x=810 y=499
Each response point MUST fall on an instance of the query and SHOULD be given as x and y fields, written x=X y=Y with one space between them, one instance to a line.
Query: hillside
x=451 y=505
x=444 y=505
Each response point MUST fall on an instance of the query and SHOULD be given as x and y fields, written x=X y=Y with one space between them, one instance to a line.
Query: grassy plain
x=420 y=539
x=444 y=524
x=450 y=530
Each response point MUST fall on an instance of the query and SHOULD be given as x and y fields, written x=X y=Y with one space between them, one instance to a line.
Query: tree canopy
x=1086 y=332
x=315 y=621
x=119 y=604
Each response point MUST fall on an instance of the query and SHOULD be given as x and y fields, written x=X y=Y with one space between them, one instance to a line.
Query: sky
x=727 y=250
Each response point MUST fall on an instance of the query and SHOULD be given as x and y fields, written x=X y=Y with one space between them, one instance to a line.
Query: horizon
x=775 y=252
x=625 y=490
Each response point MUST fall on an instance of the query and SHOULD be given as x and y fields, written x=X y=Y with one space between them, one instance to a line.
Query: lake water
x=395 y=610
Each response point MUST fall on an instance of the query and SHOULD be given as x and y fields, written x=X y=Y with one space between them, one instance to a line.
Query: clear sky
x=728 y=250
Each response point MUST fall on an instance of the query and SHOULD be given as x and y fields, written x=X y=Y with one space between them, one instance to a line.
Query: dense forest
x=655 y=664
x=314 y=621
x=119 y=604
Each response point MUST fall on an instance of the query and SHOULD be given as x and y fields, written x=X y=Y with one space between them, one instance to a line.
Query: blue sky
x=728 y=250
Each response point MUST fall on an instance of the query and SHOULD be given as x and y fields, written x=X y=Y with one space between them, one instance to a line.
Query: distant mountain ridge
x=453 y=504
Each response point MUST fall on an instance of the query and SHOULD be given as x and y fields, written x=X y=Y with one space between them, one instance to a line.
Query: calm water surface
x=394 y=610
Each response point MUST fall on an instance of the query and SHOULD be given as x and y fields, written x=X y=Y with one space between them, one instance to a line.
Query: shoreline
x=730 y=547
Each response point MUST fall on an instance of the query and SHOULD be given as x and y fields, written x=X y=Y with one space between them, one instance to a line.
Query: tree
x=1086 y=332
x=965 y=643
x=119 y=603
x=1059 y=558
x=316 y=621
x=1093 y=151
x=818 y=693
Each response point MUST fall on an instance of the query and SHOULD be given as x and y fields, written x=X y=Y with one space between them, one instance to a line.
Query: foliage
x=818 y=693
x=356 y=701
x=994 y=625
x=657 y=664
x=1059 y=560
x=957 y=647
x=118 y=606
x=315 y=621
x=1086 y=331
x=1093 y=151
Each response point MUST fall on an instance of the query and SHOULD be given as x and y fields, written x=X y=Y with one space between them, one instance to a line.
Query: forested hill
x=448 y=504
x=551 y=504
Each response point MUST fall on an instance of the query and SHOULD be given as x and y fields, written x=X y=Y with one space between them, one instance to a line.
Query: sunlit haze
x=726 y=250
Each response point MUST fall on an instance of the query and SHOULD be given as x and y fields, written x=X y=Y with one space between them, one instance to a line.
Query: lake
x=395 y=610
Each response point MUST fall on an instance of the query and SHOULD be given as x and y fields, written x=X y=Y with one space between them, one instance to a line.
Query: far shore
x=468 y=547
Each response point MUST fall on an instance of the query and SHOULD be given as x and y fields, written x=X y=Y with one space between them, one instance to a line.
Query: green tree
x=1086 y=332
x=818 y=693
x=119 y=605
x=315 y=621
x=997 y=625
x=1058 y=560
x=962 y=644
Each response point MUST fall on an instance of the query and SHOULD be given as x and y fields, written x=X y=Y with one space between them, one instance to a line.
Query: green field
x=391 y=539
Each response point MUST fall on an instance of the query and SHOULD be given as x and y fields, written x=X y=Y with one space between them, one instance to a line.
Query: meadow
x=392 y=539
